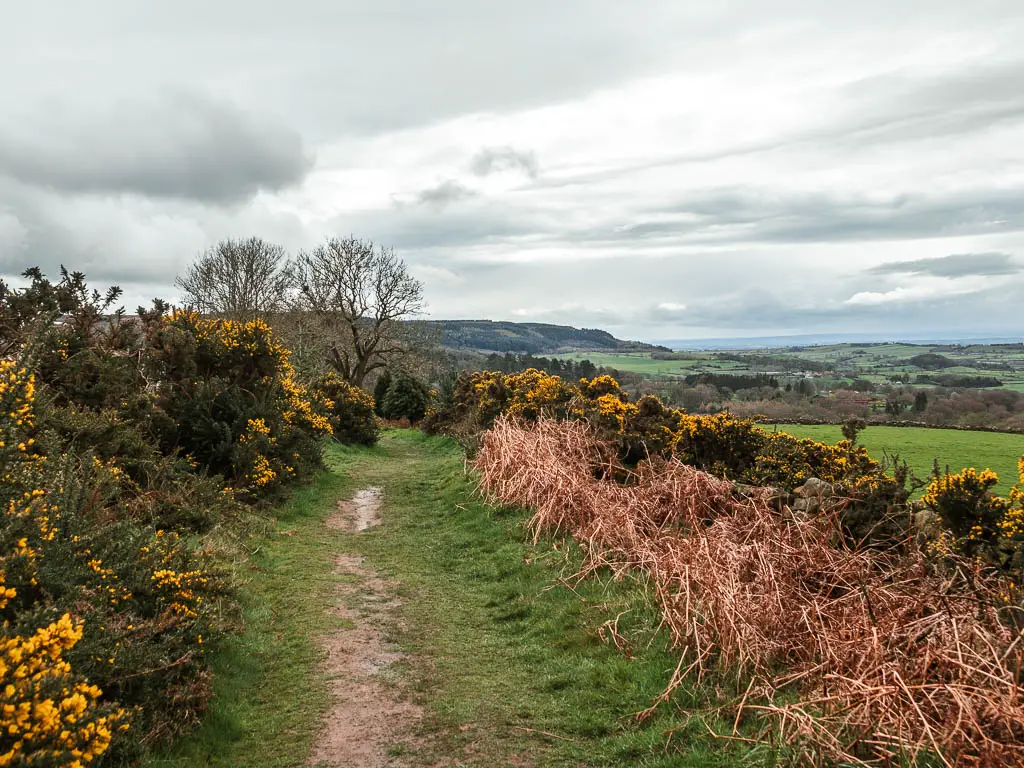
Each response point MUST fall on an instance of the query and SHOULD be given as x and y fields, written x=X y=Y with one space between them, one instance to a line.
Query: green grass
x=508 y=658
x=504 y=656
x=873 y=362
x=642 y=362
x=919 y=447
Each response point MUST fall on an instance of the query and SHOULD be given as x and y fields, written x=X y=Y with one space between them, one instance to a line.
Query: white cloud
x=669 y=169
x=924 y=289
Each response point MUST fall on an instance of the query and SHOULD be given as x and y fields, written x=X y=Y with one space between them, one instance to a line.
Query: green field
x=641 y=362
x=875 y=362
x=919 y=447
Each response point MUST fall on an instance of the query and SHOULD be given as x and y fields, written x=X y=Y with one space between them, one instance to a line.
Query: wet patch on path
x=360 y=513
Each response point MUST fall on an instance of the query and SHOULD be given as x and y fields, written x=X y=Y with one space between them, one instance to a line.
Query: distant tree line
x=733 y=381
x=780 y=363
x=567 y=369
x=570 y=370
x=961 y=381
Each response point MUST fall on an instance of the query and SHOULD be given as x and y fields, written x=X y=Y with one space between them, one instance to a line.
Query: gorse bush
x=736 y=449
x=47 y=711
x=788 y=461
x=122 y=441
x=965 y=503
x=977 y=522
x=234 y=401
x=352 y=411
x=479 y=397
x=142 y=601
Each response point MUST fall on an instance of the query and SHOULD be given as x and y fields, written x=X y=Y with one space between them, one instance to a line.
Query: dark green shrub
x=380 y=390
x=406 y=398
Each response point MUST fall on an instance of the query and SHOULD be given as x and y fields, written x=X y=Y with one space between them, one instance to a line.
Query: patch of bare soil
x=369 y=716
x=359 y=513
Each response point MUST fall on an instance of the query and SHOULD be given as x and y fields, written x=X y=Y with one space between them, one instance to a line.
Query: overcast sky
x=658 y=168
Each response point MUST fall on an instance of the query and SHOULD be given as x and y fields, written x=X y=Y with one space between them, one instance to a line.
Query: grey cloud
x=758 y=312
x=716 y=217
x=576 y=315
x=474 y=223
x=828 y=218
x=888 y=109
x=973 y=89
x=349 y=67
x=647 y=299
x=177 y=145
x=130 y=241
x=446 y=192
x=496 y=159
x=989 y=309
x=954 y=265
x=131 y=195
x=666 y=312
x=767 y=216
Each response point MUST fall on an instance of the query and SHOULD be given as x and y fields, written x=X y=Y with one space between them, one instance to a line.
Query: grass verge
x=269 y=692
x=508 y=658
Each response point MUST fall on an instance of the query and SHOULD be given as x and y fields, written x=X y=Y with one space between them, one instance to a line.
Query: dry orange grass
x=889 y=656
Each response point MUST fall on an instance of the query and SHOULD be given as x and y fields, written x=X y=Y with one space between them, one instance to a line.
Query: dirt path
x=369 y=716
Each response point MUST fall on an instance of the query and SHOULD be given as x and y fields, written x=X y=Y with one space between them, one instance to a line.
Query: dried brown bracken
x=891 y=656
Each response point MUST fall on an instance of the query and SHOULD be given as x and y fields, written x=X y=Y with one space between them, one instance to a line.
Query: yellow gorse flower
x=46 y=717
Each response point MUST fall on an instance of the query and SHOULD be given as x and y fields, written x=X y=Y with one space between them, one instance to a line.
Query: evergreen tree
x=380 y=390
x=920 y=402
x=407 y=397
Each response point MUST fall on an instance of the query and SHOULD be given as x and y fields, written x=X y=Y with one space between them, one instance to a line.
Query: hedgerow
x=71 y=553
x=734 y=448
x=122 y=442
x=876 y=503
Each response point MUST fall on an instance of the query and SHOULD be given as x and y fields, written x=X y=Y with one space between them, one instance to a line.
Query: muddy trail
x=371 y=716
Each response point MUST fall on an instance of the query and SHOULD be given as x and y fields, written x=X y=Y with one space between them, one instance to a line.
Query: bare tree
x=239 y=279
x=362 y=293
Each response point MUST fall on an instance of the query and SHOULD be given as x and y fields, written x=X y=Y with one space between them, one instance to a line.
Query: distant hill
x=534 y=338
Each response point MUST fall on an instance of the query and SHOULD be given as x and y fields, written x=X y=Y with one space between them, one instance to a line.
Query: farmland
x=642 y=362
x=874 y=362
x=920 y=446
x=968 y=386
